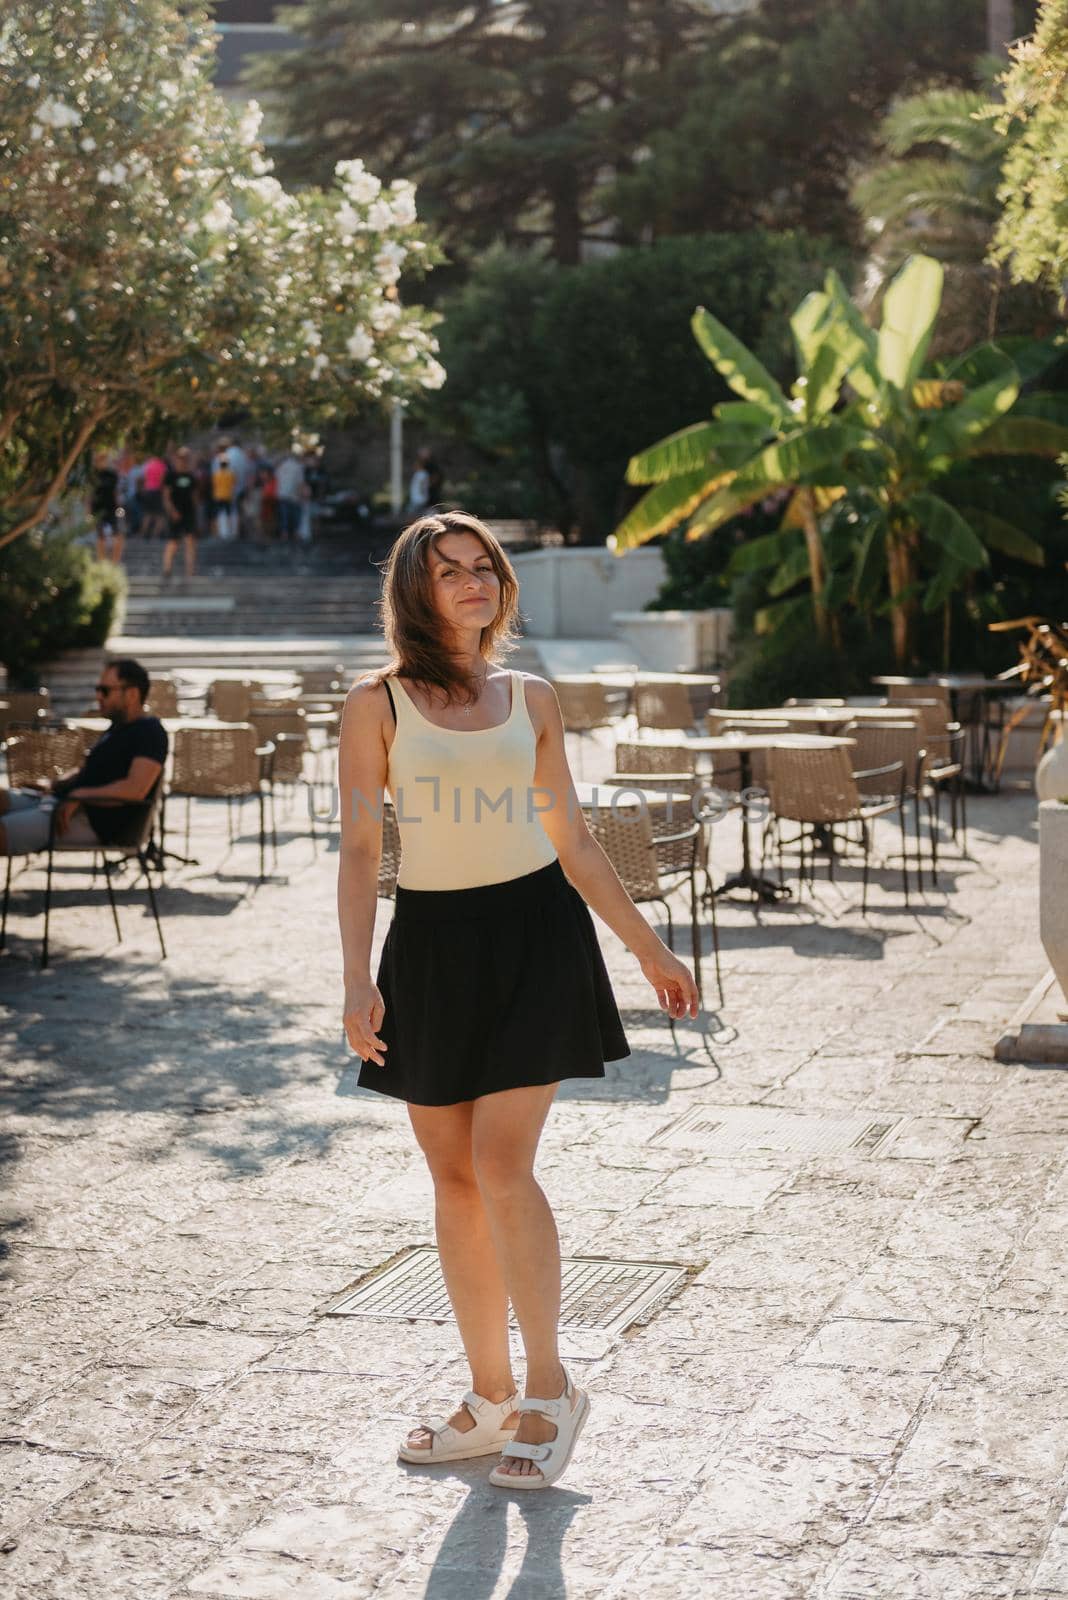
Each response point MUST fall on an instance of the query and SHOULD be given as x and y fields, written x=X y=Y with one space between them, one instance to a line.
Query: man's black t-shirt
x=110 y=759
x=183 y=490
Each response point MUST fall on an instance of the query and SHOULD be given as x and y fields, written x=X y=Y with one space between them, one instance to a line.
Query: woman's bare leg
x=468 y=1260
x=505 y=1131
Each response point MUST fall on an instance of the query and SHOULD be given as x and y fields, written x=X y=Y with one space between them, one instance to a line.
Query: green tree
x=151 y=266
x=1032 y=238
x=786 y=105
x=937 y=192
x=873 y=472
x=558 y=374
x=512 y=117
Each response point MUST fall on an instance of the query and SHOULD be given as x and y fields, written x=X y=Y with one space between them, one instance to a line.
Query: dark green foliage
x=785 y=106
x=557 y=375
x=54 y=596
x=513 y=120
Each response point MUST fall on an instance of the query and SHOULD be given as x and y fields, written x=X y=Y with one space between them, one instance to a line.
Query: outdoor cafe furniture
x=222 y=761
x=653 y=841
x=26 y=708
x=744 y=745
x=824 y=718
x=162 y=698
x=323 y=680
x=230 y=699
x=589 y=704
x=975 y=702
x=894 y=753
x=44 y=753
x=136 y=848
x=818 y=789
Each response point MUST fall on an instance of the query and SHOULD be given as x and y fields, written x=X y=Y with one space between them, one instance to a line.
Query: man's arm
x=135 y=786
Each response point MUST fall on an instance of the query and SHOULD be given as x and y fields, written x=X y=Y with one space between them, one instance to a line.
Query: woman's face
x=466 y=589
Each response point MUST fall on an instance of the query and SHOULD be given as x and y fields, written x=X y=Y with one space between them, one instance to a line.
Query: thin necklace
x=466 y=710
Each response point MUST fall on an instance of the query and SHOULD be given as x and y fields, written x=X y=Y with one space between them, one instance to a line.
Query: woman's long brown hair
x=416 y=633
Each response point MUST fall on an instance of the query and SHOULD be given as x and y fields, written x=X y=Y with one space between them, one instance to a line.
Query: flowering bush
x=151 y=265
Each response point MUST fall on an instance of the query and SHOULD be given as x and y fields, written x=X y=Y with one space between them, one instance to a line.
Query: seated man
x=103 y=802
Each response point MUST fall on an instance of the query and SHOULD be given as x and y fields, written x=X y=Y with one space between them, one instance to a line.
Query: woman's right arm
x=362 y=765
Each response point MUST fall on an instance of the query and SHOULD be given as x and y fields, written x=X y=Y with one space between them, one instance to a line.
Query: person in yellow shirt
x=223 y=484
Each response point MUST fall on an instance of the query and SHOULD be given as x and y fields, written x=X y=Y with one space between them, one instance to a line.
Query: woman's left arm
x=586 y=864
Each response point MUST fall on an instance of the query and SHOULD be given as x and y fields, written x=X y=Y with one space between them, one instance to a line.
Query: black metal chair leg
x=263 y=838
x=695 y=937
x=143 y=859
x=7 y=897
x=865 y=836
x=47 y=906
x=111 y=898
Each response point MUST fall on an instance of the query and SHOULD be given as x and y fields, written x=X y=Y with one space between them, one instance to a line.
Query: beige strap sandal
x=569 y=1412
x=453 y=1444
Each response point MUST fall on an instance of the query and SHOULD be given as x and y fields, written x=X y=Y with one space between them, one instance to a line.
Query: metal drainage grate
x=606 y=1295
x=733 y=1130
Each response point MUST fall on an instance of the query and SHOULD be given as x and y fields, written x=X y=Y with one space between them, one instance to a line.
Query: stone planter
x=1051 y=775
x=1053 y=886
x=677 y=641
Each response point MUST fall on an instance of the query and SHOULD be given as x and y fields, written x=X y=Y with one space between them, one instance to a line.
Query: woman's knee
x=502 y=1168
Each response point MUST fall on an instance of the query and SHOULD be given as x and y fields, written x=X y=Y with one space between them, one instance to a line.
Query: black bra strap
x=392 y=705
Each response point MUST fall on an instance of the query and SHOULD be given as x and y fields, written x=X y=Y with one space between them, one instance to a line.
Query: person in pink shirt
x=153 y=474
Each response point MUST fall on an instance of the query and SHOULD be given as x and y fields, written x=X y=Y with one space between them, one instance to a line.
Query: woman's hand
x=364 y=1010
x=673 y=982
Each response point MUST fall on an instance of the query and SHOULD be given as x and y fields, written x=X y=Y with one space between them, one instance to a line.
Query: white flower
x=169 y=90
x=389 y=260
x=319 y=365
x=348 y=220
x=219 y=218
x=380 y=216
x=359 y=184
x=112 y=175
x=434 y=375
x=248 y=125
x=359 y=344
x=311 y=334
x=384 y=314
x=56 y=114
x=403 y=202
x=88 y=144
x=70 y=315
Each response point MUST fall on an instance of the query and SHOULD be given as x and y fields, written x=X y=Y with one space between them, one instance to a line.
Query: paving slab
x=858 y=1389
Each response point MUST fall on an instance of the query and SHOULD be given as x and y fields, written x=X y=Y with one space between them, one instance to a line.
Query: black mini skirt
x=498 y=987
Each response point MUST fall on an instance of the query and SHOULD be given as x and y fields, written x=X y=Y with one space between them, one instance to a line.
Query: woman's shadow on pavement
x=472 y=1556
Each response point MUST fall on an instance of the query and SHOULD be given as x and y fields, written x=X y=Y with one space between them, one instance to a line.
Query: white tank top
x=466 y=805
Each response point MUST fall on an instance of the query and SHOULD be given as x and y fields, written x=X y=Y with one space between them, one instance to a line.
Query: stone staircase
x=255 y=611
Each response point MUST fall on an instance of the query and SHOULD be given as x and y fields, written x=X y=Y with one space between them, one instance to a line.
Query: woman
x=491 y=986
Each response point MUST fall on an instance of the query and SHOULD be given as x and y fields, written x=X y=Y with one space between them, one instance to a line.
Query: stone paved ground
x=861 y=1390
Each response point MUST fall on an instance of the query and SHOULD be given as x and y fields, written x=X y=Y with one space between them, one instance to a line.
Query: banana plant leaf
x=1021 y=436
x=756 y=555
x=746 y=375
x=856 y=341
x=821 y=362
x=780 y=612
x=742 y=414
x=910 y=307
x=667 y=505
x=998 y=534
x=946 y=581
x=703 y=444
x=943 y=526
x=811 y=456
x=951 y=431
x=982 y=364
x=790 y=572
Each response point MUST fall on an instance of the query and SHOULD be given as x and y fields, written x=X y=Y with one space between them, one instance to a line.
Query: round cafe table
x=743 y=744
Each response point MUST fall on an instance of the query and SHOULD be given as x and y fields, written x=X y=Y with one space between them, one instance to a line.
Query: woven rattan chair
x=24 y=708
x=944 y=742
x=664 y=705
x=229 y=762
x=323 y=680
x=893 y=753
x=162 y=698
x=643 y=755
x=652 y=860
x=389 y=861
x=588 y=706
x=230 y=699
x=135 y=848
x=818 y=789
x=727 y=769
x=44 y=753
